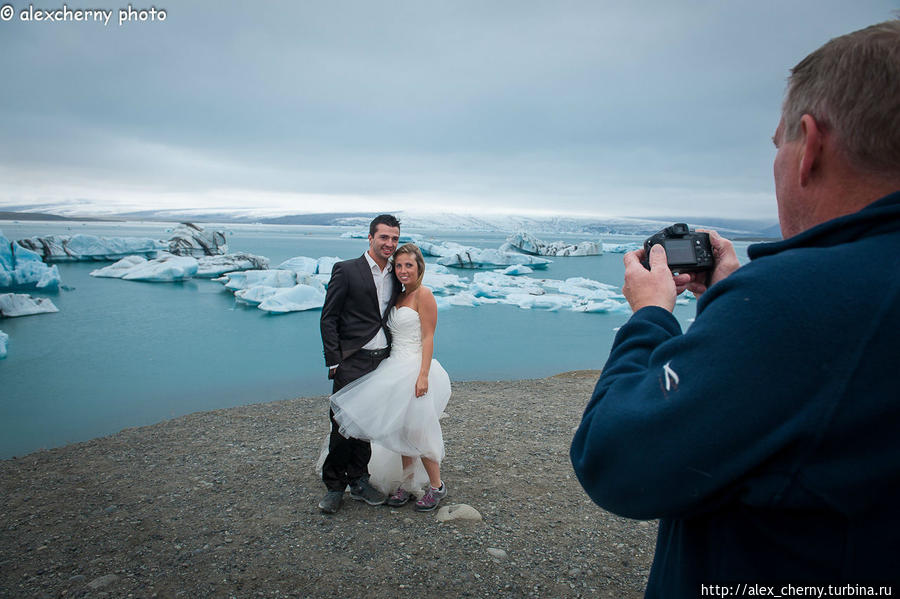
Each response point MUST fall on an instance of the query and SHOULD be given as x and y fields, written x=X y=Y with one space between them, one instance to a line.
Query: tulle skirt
x=382 y=407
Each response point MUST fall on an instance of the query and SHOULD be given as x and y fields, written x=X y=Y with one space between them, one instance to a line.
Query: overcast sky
x=654 y=108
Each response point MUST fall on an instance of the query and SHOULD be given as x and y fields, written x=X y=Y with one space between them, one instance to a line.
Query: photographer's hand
x=726 y=263
x=654 y=287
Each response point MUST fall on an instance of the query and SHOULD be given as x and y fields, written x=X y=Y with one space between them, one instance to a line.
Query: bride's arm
x=428 y=318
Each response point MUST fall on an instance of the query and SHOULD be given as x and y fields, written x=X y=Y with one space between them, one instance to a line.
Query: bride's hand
x=421 y=385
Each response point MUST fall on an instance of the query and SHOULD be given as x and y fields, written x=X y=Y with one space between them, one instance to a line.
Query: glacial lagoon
x=121 y=353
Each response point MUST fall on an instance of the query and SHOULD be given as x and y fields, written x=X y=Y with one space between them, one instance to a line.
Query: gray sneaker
x=331 y=503
x=400 y=497
x=431 y=498
x=361 y=490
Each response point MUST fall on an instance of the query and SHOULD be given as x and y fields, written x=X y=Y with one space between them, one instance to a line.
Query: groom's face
x=383 y=243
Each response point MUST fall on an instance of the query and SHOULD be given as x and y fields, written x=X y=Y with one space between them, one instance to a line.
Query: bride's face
x=406 y=268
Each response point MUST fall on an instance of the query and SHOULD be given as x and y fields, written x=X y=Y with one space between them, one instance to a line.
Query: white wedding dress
x=382 y=407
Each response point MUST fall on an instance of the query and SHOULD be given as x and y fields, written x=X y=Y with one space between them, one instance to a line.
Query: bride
x=397 y=406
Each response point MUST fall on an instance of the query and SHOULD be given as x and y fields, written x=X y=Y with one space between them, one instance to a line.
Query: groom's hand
x=331 y=372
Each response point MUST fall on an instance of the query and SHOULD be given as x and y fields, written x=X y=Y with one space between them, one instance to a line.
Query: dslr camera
x=686 y=250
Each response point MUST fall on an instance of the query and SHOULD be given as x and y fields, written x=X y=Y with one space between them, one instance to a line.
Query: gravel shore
x=223 y=504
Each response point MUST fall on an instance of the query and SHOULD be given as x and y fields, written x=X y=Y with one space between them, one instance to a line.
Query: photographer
x=767 y=437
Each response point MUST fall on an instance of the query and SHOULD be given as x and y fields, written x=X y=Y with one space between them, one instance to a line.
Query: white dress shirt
x=384 y=285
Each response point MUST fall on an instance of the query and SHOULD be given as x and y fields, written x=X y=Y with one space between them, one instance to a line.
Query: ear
x=812 y=138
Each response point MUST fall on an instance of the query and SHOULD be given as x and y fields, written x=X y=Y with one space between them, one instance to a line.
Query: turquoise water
x=120 y=354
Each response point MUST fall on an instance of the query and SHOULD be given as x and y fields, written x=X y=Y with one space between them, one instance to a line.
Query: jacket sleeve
x=677 y=421
x=335 y=296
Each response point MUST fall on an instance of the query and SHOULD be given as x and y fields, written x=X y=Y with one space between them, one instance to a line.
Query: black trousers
x=348 y=458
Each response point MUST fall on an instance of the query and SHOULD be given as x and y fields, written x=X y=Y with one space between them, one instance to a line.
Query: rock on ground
x=223 y=504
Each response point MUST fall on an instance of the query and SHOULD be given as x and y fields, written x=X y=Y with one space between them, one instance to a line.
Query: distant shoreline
x=42 y=216
x=735 y=229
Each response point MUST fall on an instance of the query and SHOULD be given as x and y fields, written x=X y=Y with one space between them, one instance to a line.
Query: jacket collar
x=881 y=216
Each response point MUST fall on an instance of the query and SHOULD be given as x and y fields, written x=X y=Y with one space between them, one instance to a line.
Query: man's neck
x=850 y=195
x=837 y=188
x=381 y=262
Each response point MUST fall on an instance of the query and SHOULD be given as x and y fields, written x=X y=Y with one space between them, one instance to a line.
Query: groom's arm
x=329 y=324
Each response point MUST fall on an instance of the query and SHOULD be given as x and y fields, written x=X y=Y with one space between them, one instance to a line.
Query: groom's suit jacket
x=351 y=315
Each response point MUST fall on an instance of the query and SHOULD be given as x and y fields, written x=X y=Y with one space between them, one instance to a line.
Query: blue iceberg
x=68 y=248
x=21 y=267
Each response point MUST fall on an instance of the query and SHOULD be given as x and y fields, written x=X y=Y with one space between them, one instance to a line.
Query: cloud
x=603 y=107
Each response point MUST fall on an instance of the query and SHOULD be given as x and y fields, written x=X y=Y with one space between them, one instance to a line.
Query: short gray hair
x=851 y=86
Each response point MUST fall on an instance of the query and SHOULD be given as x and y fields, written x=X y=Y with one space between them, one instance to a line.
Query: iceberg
x=214 y=266
x=255 y=295
x=604 y=307
x=310 y=266
x=325 y=264
x=589 y=289
x=446 y=248
x=62 y=248
x=279 y=290
x=120 y=268
x=443 y=283
x=529 y=244
x=189 y=239
x=500 y=286
x=582 y=248
x=577 y=294
x=464 y=299
x=234 y=281
x=469 y=300
x=442 y=302
x=490 y=258
x=21 y=304
x=4 y=342
x=516 y=270
x=294 y=299
x=167 y=267
x=552 y=302
x=164 y=269
x=364 y=234
x=621 y=248
x=300 y=264
x=591 y=283
x=22 y=267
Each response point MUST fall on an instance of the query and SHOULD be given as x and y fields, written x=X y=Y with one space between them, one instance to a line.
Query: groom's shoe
x=362 y=490
x=331 y=503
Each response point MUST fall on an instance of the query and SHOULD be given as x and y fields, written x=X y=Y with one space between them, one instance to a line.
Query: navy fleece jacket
x=766 y=437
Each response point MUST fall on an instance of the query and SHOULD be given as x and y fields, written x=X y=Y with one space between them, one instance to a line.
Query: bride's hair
x=415 y=252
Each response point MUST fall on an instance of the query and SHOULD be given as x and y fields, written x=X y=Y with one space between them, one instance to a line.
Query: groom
x=355 y=338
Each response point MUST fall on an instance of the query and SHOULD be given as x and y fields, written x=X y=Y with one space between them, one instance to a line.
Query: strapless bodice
x=406 y=331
